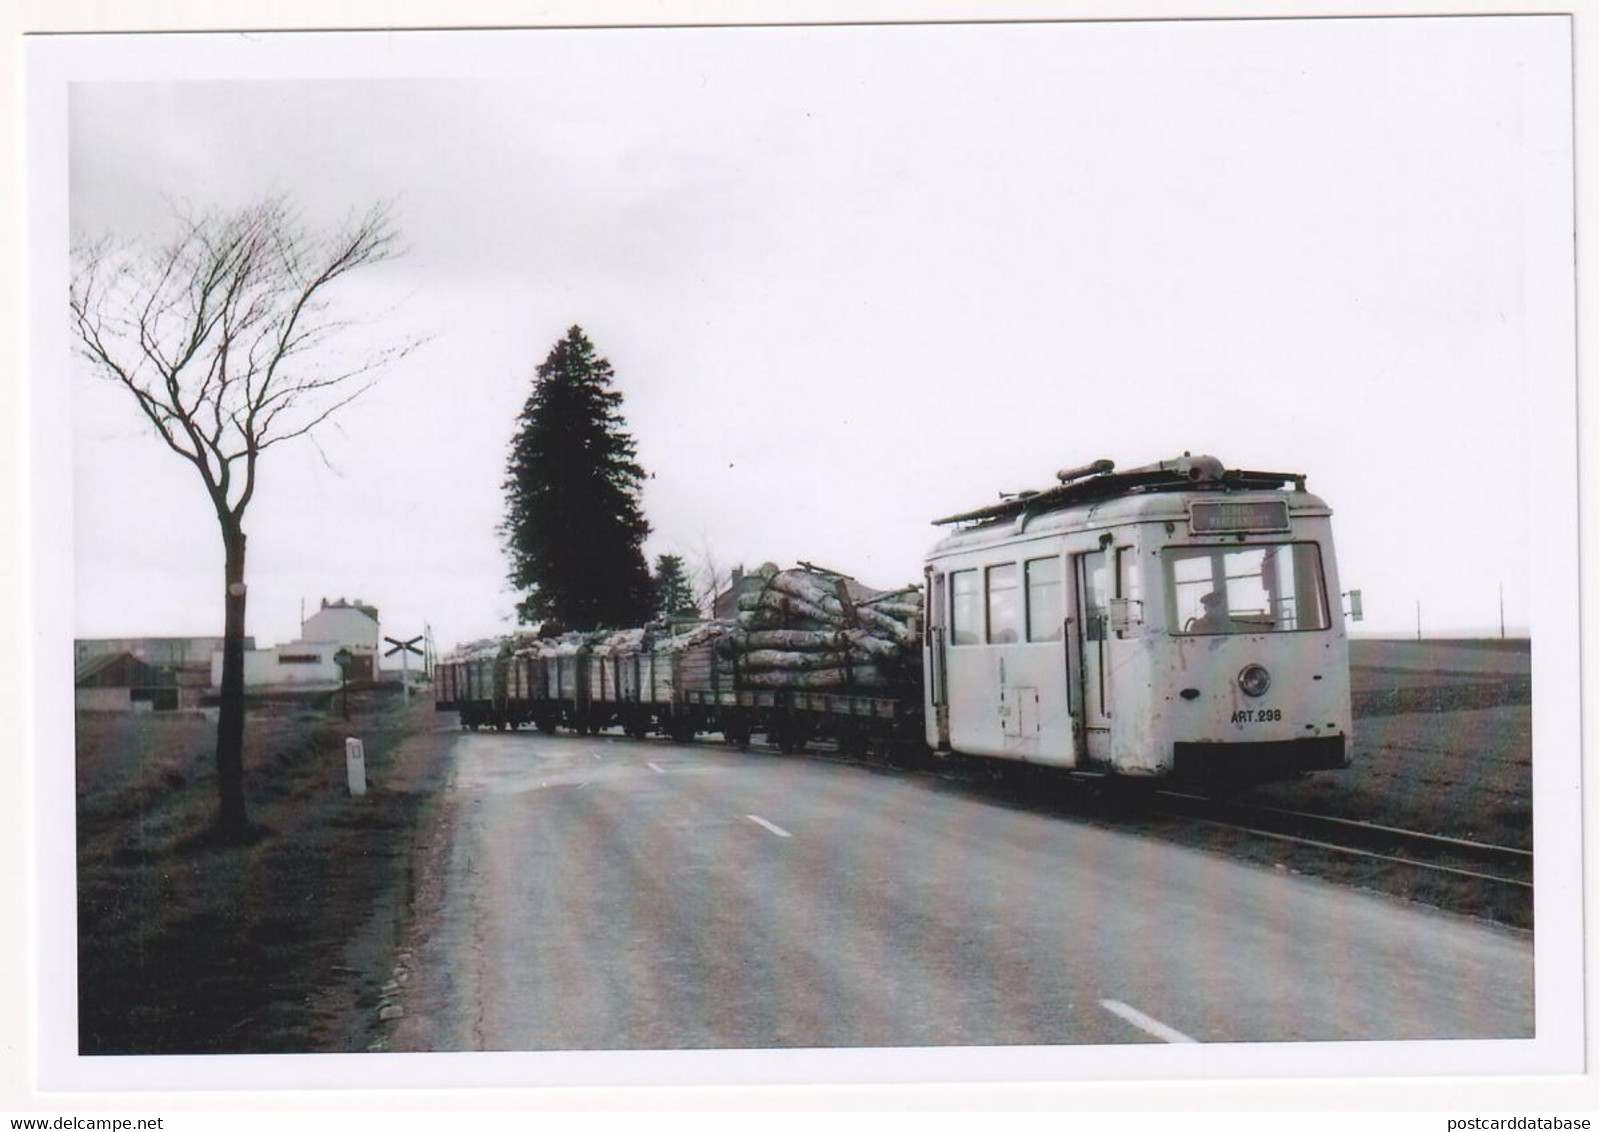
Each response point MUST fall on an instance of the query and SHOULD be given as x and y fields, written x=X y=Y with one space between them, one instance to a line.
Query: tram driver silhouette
x=1214 y=616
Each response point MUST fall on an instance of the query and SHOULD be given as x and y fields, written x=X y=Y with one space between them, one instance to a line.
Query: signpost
x=405 y=649
x=343 y=658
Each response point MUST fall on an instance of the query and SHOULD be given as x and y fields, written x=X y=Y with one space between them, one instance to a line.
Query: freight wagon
x=675 y=682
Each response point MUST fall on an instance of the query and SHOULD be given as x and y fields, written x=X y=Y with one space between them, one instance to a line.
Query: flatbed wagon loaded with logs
x=812 y=654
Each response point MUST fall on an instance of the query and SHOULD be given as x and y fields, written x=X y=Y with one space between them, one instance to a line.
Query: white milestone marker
x=355 y=766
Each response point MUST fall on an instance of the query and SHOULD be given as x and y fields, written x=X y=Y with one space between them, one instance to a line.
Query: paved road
x=608 y=894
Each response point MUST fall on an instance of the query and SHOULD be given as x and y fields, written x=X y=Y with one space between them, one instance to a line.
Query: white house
x=300 y=665
x=308 y=664
x=350 y=624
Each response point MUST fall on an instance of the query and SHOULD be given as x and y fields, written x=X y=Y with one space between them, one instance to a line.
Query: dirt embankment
x=280 y=945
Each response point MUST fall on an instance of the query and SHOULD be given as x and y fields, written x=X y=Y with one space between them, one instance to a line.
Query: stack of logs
x=802 y=629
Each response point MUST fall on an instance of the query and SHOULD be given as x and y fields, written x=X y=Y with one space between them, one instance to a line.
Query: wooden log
x=883 y=625
x=874 y=646
x=809 y=589
x=900 y=610
x=789 y=605
x=759 y=659
x=818 y=678
x=798 y=661
x=781 y=619
x=791 y=639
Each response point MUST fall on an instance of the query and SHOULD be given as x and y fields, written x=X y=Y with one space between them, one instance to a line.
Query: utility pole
x=1420 y=618
x=1500 y=593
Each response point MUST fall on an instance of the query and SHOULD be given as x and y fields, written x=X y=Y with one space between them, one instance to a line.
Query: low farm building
x=184 y=661
x=299 y=666
x=122 y=682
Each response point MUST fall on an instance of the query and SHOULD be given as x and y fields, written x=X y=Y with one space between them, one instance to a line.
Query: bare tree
x=224 y=339
x=708 y=578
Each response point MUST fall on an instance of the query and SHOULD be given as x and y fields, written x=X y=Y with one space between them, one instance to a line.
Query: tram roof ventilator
x=1099 y=480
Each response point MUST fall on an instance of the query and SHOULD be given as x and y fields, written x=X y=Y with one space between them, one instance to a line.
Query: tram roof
x=1096 y=497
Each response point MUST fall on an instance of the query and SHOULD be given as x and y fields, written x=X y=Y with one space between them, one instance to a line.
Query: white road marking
x=595 y=757
x=582 y=784
x=1145 y=1022
x=656 y=768
x=767 y=825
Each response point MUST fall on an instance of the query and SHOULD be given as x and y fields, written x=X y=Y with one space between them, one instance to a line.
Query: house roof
x=117 y=670
x=359 y=606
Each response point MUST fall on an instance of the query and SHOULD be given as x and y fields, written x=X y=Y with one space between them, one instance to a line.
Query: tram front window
x=1244 y=589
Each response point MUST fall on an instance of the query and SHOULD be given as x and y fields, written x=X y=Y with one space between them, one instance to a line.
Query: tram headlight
x=1254 y=680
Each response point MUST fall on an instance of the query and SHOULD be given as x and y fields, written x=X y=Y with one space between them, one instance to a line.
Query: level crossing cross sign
x=405 y=649
x=409 y=646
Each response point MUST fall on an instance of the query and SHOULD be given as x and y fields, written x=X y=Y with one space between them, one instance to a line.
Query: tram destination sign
x=1239 y=517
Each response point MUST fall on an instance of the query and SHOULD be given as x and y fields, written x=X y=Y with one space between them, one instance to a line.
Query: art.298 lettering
x=1257 y=715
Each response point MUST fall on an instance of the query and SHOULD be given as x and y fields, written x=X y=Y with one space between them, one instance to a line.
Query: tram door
x=1095 y=583
x=934 y=586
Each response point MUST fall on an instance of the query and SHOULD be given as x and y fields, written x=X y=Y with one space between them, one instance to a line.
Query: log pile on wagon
x=807 y=628
x=802 y=628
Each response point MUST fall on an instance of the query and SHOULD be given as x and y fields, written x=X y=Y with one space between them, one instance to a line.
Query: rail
x=1496 y=865
x=1506 y=865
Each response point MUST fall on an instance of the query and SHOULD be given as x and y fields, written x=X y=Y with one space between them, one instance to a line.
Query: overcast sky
x=852 y=279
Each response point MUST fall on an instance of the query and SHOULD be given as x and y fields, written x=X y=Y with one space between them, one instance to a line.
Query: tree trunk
x=233 y=824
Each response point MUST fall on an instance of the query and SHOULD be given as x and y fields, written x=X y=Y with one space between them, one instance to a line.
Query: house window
x=299 y=658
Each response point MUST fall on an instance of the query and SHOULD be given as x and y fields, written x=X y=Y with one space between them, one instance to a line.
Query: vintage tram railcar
x=1178 y=619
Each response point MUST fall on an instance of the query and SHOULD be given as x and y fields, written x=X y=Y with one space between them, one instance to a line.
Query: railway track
x=1489 y=866
x=1498 y=866
x=1476 y=860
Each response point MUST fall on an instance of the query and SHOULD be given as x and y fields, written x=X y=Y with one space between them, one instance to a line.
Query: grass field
x=1443 y=742
x=190 y=947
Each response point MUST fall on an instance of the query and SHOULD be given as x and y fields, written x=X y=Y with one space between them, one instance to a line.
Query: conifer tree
x=573 y=526
x=674 y=597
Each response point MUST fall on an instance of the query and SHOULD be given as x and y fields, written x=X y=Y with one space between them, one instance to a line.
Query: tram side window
x=1096 y=586
x=1045 y=609
x=1247 y=589
x=966 y=612
x=1128 y=586
x=1001 y=598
